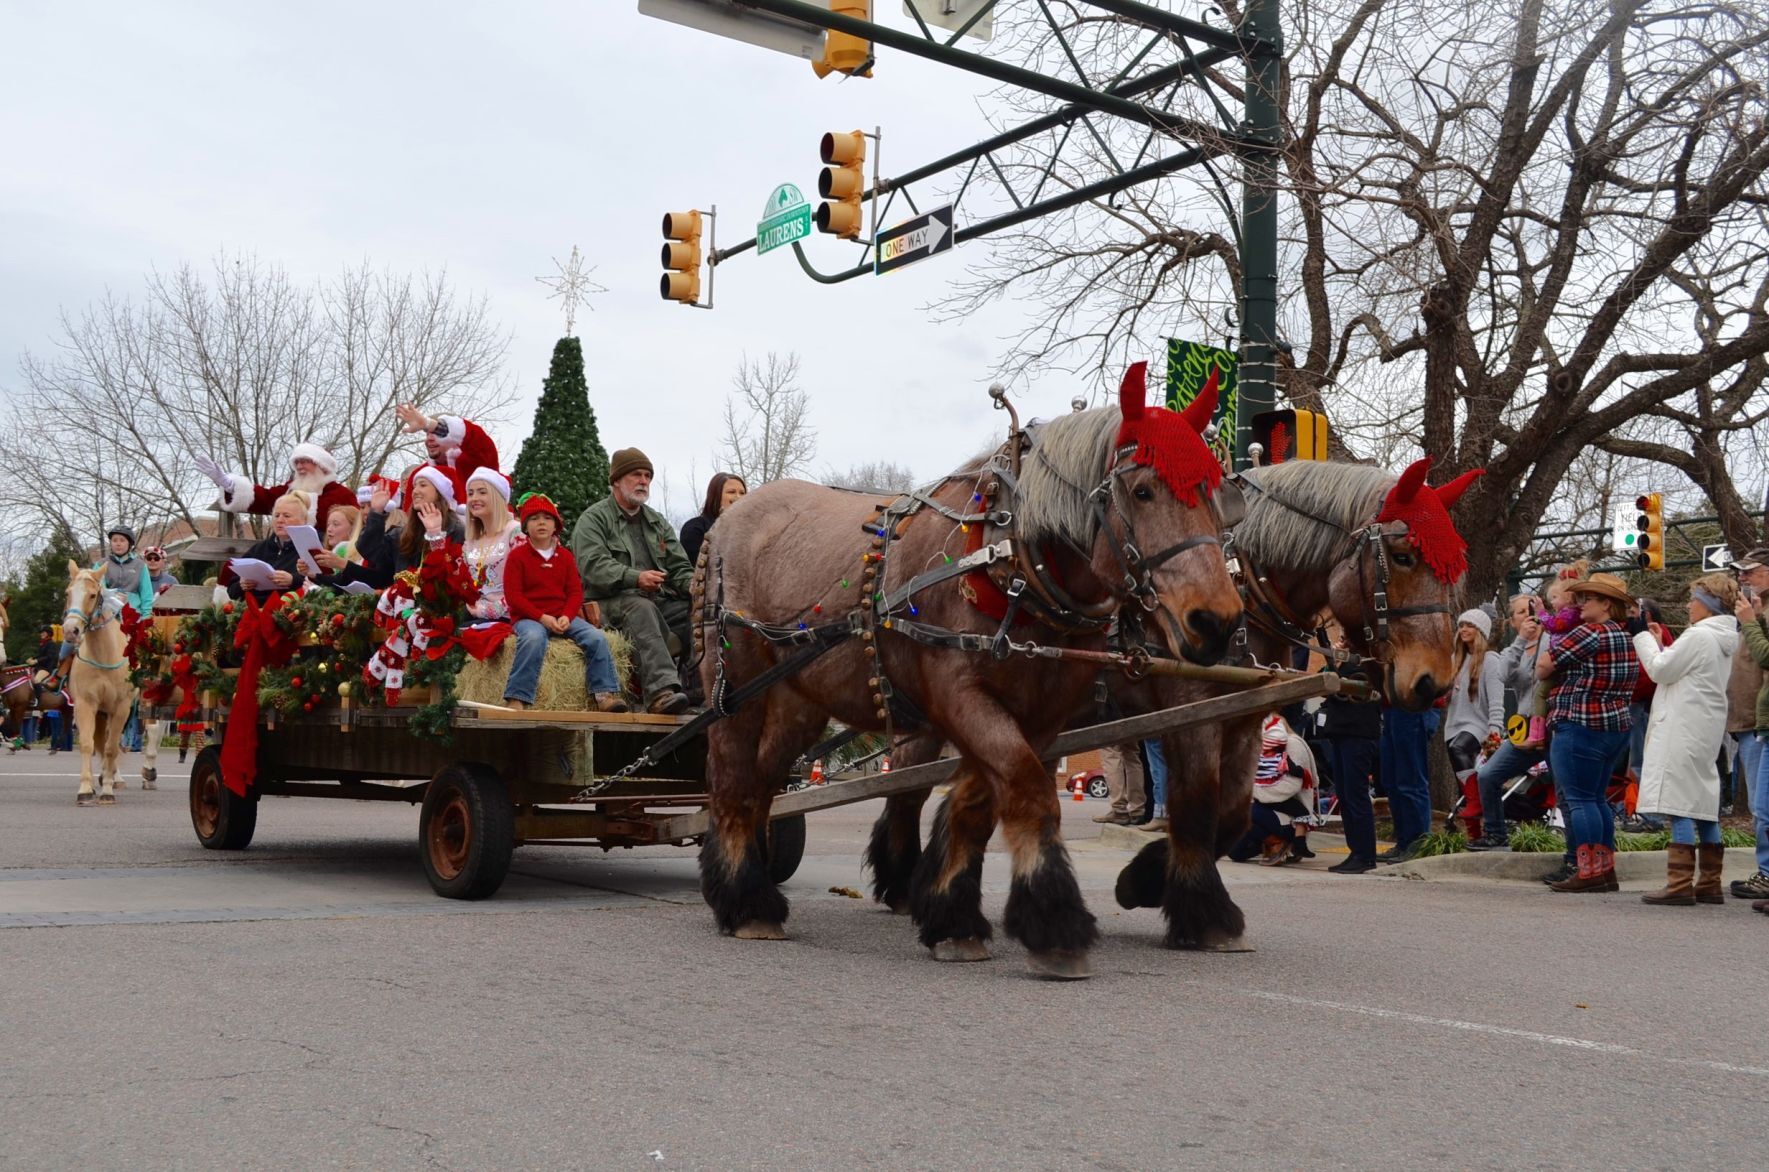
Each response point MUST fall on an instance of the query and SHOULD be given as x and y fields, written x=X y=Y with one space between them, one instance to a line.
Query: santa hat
x=538 y=504
x=1426 y=513
x=1274 y=734
x=500 y=483
x=445 y=480
x=1170 y=442
x=450 y=432
x=325 y=460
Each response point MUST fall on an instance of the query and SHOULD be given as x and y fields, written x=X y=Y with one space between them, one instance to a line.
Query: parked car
x=1091 y=782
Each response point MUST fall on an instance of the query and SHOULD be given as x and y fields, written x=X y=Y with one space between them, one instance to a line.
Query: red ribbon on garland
x=265 y=646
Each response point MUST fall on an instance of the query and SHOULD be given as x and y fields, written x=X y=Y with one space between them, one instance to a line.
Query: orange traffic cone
x=1080 y=786
x=817 y=772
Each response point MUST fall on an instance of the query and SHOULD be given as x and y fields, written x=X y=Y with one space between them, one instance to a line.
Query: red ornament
x=178 y=648
x=227 y=608
x=295 y=682
x=337 y=620
x=307 y=707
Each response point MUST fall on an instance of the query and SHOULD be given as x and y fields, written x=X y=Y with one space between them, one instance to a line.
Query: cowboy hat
x=1603 y=586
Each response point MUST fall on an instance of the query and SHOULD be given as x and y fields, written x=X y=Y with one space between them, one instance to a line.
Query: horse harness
x=998 y=559
x=100 y=616
x=1266 y=609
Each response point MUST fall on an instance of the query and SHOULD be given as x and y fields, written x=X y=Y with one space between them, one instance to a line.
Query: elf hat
x=537 y=504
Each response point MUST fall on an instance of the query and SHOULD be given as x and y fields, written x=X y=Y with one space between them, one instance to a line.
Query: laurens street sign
x=786 y=218
x=913 y=240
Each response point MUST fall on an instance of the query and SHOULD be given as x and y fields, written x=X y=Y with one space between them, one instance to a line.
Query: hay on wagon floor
x=561 y=686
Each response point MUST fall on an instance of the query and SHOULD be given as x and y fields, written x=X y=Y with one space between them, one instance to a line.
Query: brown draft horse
x=1316 y=537
x=1095 y=489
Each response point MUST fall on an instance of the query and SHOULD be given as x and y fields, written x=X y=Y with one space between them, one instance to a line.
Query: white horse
x=99 y=684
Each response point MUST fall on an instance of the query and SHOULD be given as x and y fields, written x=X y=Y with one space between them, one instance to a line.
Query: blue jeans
x=61 y=730
x=1581 y=759
x=1157 y=775
x=131 y=739
x=531 y=651
x=1756 y=759
x=1406 y=776
x=1637 y=737
x=1350 y=761
x=1688 y=831
x=27 y=731
x=1503 y=767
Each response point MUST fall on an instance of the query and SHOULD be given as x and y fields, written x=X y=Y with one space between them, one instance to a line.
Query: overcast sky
x=490 y=138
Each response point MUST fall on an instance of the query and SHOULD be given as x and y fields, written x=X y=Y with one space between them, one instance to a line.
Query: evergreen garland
x=563 y=456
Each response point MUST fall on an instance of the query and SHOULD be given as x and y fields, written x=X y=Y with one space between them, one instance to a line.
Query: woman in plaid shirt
x=1589 y=720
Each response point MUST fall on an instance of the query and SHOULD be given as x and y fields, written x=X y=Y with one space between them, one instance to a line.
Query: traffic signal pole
x=1259 y=223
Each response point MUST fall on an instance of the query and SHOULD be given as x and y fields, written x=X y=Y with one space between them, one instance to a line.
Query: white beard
x=313 y=483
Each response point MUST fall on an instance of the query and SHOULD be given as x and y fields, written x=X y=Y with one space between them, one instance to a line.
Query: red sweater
x=537 y=587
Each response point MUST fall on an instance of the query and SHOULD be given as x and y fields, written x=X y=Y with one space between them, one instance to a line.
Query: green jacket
x=1756 y=641
x=607 y=560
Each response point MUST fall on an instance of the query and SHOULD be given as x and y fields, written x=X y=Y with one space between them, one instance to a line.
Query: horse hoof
x=85 y=799
x=107 y=799
x=119 y=784
x=961 y=951
x=1229 y=944
x=897 y=907
x=147 y=783
x=759 y=930
x=1058 y=965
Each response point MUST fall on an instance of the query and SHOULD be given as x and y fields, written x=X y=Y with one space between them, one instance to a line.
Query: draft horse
x=99 y=681
x=914 y=614
x=1380 y=555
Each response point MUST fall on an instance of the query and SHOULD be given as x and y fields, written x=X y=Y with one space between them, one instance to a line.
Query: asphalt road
x=309 y=1004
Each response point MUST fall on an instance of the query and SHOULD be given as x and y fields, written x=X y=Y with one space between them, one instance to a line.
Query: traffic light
x=1651 y=524
x=681 y=256
x=842 y=182
x=1291 y=434
x=845 y=52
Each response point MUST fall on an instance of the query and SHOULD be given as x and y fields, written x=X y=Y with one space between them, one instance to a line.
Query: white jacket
x=1683 y=736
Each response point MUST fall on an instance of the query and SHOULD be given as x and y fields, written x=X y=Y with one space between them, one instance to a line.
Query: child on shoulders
x=545 y=595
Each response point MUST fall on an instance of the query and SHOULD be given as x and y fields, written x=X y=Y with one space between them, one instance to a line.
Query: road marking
x=1478 y=1027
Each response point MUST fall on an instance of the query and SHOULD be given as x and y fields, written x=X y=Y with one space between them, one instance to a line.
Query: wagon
x=507 y=778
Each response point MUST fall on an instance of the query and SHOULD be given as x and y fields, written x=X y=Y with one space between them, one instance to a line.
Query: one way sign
x=913 y=240
x=1715 y=558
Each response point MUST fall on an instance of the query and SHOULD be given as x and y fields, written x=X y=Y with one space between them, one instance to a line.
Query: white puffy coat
x=1683 y=736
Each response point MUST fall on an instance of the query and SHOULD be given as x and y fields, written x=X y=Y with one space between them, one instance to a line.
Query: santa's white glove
x=213 y=471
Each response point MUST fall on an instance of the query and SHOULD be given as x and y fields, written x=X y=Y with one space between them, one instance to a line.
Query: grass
x=1440 y=842
x=1534 y=837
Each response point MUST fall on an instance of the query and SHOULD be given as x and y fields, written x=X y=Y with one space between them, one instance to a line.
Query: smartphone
x=1749 y=592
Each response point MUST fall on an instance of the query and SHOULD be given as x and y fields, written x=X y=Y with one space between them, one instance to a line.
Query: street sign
x=726 y=18
x=1715 y=558
x=913 y=240
x=786 y=218
x=1625 y=534
x=953 y=15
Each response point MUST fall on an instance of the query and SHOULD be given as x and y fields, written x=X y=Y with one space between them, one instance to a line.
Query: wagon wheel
x=223 y=820
x=782 y=843
x=466 y=831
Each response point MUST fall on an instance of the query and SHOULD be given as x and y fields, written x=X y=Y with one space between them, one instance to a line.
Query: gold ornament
x=344 y=689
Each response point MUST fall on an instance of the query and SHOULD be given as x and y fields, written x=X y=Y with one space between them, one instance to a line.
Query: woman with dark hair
x=721 y=492
x=1588 y=721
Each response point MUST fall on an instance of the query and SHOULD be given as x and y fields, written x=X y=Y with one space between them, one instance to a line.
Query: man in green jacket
x=634 y=567
x=1753 y=581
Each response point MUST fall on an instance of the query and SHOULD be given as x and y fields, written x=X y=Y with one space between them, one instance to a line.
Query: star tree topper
x=572 y=286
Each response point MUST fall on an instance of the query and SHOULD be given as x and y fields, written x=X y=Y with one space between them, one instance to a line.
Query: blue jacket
x=129 y=577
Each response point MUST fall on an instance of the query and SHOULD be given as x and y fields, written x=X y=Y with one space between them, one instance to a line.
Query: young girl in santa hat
x=491 y=532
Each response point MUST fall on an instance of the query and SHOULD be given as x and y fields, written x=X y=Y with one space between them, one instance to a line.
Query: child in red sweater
x=546 y=597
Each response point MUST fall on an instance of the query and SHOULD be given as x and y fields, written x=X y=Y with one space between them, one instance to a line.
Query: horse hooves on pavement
x=107 y=799
x=758 y=930
x=1059 y=965
x=961 y=951
x=1228 y=944
x=85 y=799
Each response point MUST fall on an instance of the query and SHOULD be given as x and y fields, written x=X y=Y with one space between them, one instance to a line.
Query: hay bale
x=561 y=686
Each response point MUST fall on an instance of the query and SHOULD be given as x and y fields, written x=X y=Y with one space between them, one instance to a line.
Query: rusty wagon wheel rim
x=450 y=836
x=205 y=802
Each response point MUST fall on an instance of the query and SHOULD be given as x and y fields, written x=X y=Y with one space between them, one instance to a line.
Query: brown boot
x=515 y=705
x=1603 y=867
x=1711 y=856
x=1590 y=876
x=608 y=702
x=1679 y=888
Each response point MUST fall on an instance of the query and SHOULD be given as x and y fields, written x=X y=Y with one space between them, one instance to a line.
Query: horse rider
x=125 y=573
x=634 y=568
x=313 y=470
x=451 y=441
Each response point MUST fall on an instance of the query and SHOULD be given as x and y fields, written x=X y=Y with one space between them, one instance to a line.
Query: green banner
x=1188 y=368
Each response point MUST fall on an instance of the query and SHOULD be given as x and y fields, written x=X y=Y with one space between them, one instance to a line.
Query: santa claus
x=451 y=440
x=313 y=470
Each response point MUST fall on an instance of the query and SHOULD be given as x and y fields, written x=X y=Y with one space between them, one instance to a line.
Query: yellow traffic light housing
x=1290 y=434
x=1651 y=523
x=844 y=52
x=842 y=183
x=681 y=257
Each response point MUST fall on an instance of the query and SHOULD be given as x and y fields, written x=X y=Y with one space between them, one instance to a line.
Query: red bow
x=266 y=645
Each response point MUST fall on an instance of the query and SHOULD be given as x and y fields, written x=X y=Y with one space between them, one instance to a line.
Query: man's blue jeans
x=1582 y=759
x=1756 y=763
x=1157 y=775
x=1406 y=775
x=1503 y=767
x=1349 y=762
x=531 y=652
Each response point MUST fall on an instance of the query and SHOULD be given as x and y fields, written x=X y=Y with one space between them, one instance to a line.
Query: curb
x=1629 y=865
x=1126 y=838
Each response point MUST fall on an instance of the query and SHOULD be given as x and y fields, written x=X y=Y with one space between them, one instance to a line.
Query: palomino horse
x=1055 y=549
x=98 y=679
x=1376 y=552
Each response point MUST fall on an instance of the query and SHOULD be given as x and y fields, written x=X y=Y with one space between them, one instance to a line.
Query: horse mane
x=1303 y=513
x=1066 y=463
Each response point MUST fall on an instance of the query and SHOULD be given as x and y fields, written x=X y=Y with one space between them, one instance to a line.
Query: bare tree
x=1515 y=231
x=881 y=476
x=240 y=363
x=768 y=433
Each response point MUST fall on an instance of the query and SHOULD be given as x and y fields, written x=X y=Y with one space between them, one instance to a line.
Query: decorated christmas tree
x=563 y=456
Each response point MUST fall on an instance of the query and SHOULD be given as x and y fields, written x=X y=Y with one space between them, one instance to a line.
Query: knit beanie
x=628 y=460
x=1479 y=620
